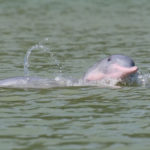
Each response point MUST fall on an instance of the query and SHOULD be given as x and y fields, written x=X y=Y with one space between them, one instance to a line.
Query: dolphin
x=112 y=67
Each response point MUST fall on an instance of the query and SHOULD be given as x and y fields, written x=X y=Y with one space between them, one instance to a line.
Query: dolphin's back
x=30 y=82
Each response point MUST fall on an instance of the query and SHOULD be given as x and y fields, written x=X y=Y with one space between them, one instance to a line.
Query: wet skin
x=113 y=67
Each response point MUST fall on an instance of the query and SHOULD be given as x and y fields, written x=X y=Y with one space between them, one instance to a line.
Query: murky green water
x=79 y=33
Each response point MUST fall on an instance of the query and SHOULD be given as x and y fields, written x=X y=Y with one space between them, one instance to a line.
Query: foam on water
x=81 y=82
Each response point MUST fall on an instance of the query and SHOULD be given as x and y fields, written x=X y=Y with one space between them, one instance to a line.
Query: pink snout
x=121 y=72
x=115 y=72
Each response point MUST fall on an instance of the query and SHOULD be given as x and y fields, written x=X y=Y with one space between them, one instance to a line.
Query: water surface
x=78 y=33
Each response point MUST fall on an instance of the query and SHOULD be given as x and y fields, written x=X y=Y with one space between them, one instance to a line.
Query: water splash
x=144 y=80
x=39 y=46
x=138 y=79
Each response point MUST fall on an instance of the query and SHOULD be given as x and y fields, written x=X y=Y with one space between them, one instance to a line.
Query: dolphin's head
x=115 y=67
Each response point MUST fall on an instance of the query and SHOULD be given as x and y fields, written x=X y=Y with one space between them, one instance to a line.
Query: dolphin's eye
x=109 y=59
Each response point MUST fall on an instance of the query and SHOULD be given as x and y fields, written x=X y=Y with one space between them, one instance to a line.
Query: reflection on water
x=79 y=34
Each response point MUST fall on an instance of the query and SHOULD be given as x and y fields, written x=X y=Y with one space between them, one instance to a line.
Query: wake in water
x=45 y=83
x=59 y=81
x=98 y=75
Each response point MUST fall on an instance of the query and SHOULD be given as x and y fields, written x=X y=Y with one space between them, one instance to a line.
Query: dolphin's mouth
x=121 y=72
x=116 y=72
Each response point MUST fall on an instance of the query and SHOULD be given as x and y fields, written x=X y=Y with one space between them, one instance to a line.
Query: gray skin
x=114 y=67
